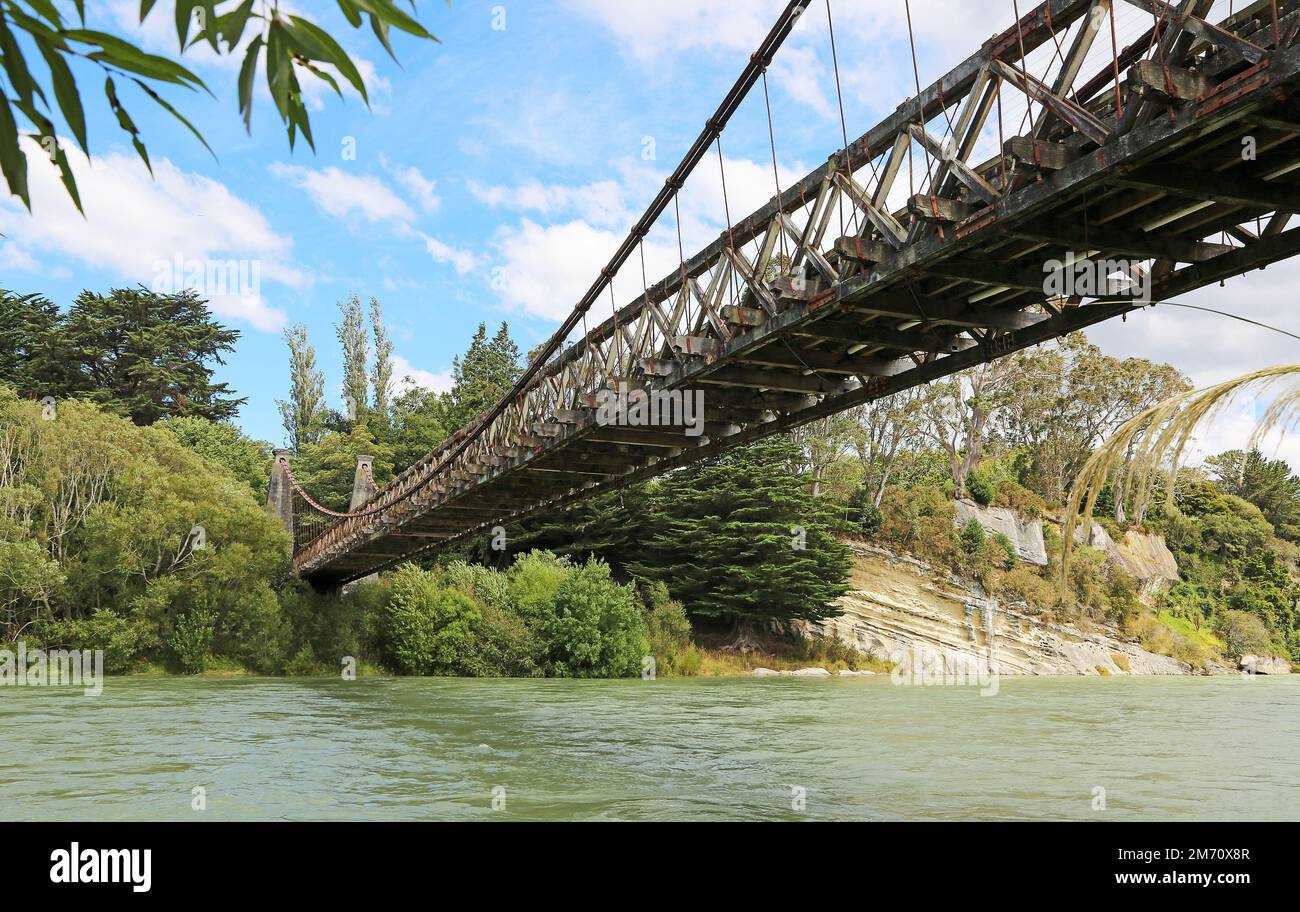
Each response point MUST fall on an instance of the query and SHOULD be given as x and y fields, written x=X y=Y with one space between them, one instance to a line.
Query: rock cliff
x=900 y=607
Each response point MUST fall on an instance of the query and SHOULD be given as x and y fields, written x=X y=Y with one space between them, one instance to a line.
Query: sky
x=494 y=173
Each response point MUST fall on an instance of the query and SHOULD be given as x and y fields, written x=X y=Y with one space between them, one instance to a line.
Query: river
x=716 y=749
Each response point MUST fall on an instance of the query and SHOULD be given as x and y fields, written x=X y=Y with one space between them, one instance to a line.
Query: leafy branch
x=291 y=43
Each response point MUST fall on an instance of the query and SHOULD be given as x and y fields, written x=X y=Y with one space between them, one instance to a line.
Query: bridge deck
x=1184 y=174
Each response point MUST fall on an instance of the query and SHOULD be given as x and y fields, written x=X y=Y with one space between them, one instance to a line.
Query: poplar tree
x=304 y=413
x=382 y=374
x=351 y=332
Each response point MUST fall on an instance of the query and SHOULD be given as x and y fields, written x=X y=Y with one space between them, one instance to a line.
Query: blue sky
x=495 y=173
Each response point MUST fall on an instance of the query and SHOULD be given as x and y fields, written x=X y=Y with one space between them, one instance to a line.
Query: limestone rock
x=766 y=673
x=1265 y=665
x=810 y=673
x=1025 y=534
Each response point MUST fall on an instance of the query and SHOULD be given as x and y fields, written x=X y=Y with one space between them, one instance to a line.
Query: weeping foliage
x=1152 y=445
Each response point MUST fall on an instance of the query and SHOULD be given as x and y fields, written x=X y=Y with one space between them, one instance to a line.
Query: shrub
x=973 y=538
x=594 y=629
x=432 y=627
x=1243 y=633
x=303 y=664
x=979 y=488
x=192 y=640
x=668 y=630
x=1003 y=554
x=534 y=580
x=104 y=630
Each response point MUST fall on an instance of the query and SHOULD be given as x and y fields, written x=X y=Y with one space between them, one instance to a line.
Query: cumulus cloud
x=407 y=377
x=135 y=223
x=421 y=188
x=347 y=196
x=463 y=261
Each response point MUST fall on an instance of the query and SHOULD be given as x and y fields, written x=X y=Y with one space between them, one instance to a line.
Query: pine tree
x=304 y=413
x=351 y=333
x=739 y=537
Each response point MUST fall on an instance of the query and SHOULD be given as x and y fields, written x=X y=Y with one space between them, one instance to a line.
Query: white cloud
x=463 y=261
x=420 y=187
x=603 y=203
x=347 y=196
x=406 y=377
x=134 y=222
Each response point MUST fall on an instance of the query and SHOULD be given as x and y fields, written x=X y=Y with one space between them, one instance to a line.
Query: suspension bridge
x=1160 y=147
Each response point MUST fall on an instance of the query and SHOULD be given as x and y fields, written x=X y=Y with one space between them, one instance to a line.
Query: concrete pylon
x=363 y=483
x=279 y=496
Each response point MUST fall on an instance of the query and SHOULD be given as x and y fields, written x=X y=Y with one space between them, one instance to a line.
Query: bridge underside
x=1186 y=173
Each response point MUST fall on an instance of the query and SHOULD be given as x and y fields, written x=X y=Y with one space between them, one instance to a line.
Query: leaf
x=350 y=12
x=279 y=69
x=328 y=50
x=184 y=14
x=122 y=54
x=232 y=24
x=125 y=122
x=47 y=11
x=380 y=28
x=65 y=170
x=387 y=11
x=12 y=159
x=321 y=74
x=15 y=66
x=65 y=91
x=162 y=102
x=145 y=7
x=247 y=72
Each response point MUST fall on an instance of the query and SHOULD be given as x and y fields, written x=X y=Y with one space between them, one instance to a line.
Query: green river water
x=719 y=749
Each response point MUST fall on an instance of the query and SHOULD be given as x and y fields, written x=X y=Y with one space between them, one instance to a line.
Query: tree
x=958 y=413
x=290 y=44
x=740 y=538
x=222 y=444
x=1268 y=484
x=382 y=375
x=32 y=359
x=881 y=433
x=135 y=352
x=305 y=411
x=483 y=376
x=328 y=469
x=416 y=427
x=351 y=332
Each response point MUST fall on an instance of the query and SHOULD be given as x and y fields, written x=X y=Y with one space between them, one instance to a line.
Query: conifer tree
x=740 y=538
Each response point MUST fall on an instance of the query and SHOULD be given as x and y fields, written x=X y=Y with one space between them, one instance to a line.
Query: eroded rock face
x=1265 y=665
x=1144 y=557
x=1025 y=534
x=900 y=607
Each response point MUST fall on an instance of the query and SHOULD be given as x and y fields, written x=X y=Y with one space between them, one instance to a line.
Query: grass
x=1187 y=629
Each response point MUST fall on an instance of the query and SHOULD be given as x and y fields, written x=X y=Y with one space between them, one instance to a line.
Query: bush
x=594 y=629
x=104 y=630
x=1243 y=633
x=973 y=538
x=534 y=580
x=668 y=632
x=432 y=627
x=192 y=640
x=1003 y=555
x=979 y=488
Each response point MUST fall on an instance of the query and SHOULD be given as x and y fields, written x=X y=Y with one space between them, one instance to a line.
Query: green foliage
x=668 y=633
x=1002 y=552
x=225 y=445
x=739 y=537
x=304 y=412
x=1268 y=484
x=1244 y=634
x=482 y=376
x=292 y=45
x=134 y=352
x=432 y=626
x=121 y=533
x=594 y=627
x=192 y=639
x=973 y=538
x=980 y=488
x=328 y=469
